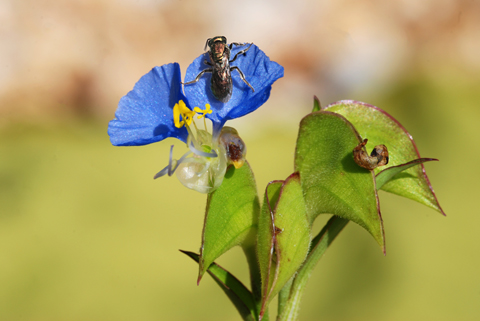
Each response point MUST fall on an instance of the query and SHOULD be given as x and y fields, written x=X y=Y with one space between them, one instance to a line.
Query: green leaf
x=381 y=128
x=284 y=236
x=240 y=296
x=387 y=174
x=332 y=182
x=231 y=216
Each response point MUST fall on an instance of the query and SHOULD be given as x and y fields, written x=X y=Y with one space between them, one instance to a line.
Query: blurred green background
x=87 y=234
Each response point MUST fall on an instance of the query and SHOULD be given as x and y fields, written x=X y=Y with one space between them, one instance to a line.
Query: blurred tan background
x=87 y=234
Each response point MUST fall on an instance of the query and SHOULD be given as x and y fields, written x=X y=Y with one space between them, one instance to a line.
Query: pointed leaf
x=231 y=215
x=387 y=174
x=381 y=128
x=289 y=229
x=238 y=293
x=332 y=182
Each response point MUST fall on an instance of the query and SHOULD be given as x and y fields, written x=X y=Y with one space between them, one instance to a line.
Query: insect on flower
x=221 y=81
x=159 y=107
x=378 y=157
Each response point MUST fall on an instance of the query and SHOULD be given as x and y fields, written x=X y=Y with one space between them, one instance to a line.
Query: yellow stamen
x=180 y=109
x=203 y=112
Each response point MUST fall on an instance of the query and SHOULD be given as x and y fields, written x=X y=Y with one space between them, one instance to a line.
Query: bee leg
x=207 y=63
x=240 y=53
x=242 y=76
x=236 y=44
x=198 y=76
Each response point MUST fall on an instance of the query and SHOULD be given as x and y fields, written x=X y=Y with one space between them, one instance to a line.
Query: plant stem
x=318 y=247
x=255 y=277
x=284 y=294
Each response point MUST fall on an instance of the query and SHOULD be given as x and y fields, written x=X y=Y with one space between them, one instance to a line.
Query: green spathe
x=381 y=128
x=332 y=182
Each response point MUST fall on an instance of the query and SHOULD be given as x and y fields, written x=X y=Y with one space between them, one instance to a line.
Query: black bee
x=221 y=83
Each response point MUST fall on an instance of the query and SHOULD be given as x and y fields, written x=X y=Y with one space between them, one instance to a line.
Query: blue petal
x=145 y=114
x=259 y=71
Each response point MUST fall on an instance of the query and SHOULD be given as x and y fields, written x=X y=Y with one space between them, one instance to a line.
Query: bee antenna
x=206 y=44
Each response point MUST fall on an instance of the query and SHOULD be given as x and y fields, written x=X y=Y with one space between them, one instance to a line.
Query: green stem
x=255 y=278
x=318 y=247
x=284 y=294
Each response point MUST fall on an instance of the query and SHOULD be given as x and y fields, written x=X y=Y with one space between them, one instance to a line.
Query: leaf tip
x=192 y=255
x=316 y=104
x=439 y=208
x=197 y=259
x=200 y=276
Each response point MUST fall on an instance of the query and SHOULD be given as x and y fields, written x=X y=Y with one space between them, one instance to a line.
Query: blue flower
x=157 y=108
x=145 y=115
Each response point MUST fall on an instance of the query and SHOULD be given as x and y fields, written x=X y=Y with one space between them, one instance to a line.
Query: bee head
x=216 y=44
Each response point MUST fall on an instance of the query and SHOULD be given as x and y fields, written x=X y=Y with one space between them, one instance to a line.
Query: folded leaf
x=231 y=215
x=284 y=236
x=332 y=182
x=381 y=128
